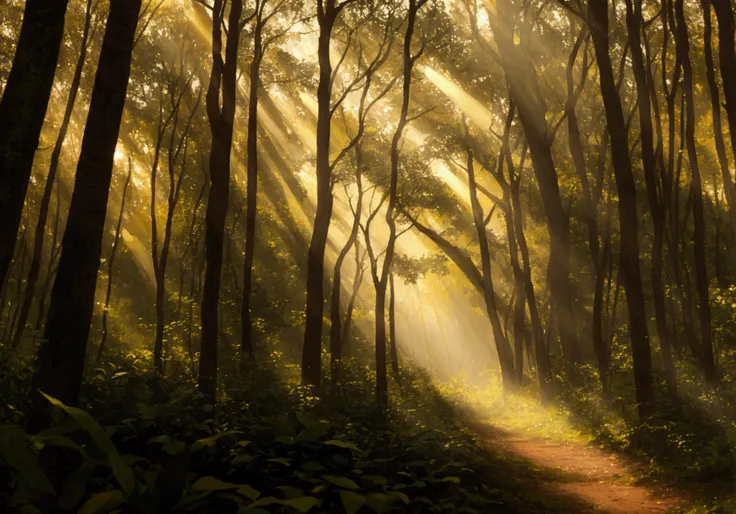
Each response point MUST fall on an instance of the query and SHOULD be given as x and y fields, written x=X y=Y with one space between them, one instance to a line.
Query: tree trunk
x=111 y=261
x=392 y=327
x=22 y=111
x=61 y=358
x=246 y=345
x=597 y=15
x=696 y=191
x=634 y=23
x=522 y=80
x=40 y=233
x=223 y=80
x=312 y=349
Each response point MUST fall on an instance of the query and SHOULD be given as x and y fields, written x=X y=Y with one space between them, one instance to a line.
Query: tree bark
x=597 y=15
x=40 y=232
x=22 y=111
x=60 y=361
x=696 y=191
x=223 y=80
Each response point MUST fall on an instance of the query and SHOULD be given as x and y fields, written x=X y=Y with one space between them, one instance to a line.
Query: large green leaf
x=302 y=504
x=343 y=482
x=123 y=474
x=213 y=484
x=73 y=488
x=19 y=456
x=208 y=442
x=352 y=502
x=102 y=502
x=342 y=444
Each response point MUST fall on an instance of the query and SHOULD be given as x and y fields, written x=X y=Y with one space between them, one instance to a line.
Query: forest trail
x=594 y=480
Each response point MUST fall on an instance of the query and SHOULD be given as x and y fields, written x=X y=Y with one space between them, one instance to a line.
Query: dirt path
x=598 y=481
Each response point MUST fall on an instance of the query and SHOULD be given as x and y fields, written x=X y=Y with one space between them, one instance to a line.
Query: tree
x=22 y=110
x=597 y=17
x=221 y=115
x=61 y=357
x=328 y=12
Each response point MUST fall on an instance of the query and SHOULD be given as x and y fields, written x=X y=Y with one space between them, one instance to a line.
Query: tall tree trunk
x=727 y=64
x=111 y=260
x=223 y=80
x=336 y=340
x=22 y=111
x=246 y=345
x=328 y=11
x=696 y=190
x=524 y=87
x=597 y=15
x=715 y=103
x=505 y=354
x=382 y=283
x=635 y=23
x=392 y=327
x=61 y=358
x=40 y=233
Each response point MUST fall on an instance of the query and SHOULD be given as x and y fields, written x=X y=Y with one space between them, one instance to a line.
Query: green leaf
x=342 y=444
x=248 y=492
x=73 y=488
x=380 y=502
x=343 y=482
x=314 y=432
x=279 y=460
x=401 y=496
x=212 y=484
x=282 y=426
x=291 y=492
x=302 y=504
x=454 y=480
x=19 y=456
x=123 y=473
x=208 y=442
x=102 y=502
x=352 y=502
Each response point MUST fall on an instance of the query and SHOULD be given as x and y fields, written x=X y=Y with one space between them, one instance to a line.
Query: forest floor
x=578 y=476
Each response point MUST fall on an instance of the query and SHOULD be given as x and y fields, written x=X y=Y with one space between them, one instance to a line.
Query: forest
x=367 y=256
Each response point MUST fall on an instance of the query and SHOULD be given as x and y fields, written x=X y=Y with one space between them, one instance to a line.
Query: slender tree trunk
x=221 y=117
x=61 y=358
x=727 y=64
x=111 y=261
x=715 y=102
x=505 y=354
x=392 y=327
x=22 y=111
x=634 y=23
x=312 y=349
x=597 y=15
x=336 y=340
x=246 y=346
x=40 y=233
x=696 y=190
x=357 y=282
x=523 y=84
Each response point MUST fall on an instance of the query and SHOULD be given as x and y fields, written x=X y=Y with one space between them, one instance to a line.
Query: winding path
x=595 y=480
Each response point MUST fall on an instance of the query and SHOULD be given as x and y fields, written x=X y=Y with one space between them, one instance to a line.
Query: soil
x=582 y=476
